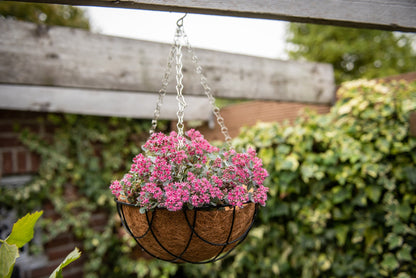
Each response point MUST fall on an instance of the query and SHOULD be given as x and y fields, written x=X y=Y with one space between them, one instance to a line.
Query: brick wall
x=14 y=157
x=249 y=113
x=17 y=160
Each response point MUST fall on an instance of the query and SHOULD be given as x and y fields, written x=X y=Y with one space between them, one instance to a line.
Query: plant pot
x=199 y=235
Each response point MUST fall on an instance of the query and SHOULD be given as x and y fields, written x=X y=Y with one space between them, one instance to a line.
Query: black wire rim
x=191 y=224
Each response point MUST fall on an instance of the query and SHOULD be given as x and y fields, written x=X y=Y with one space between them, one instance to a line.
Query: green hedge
x=342 y=191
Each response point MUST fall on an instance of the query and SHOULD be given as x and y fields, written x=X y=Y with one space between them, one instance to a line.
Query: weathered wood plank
x=396 y=15
x=97 y=102
x=58 y=56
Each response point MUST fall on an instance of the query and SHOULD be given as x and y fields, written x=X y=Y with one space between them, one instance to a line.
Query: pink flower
x=141 y=165
x=238 y=196
x=176 y=195
x=116 y=188
x=161 y=171
x=260 y=196
x=197 y=174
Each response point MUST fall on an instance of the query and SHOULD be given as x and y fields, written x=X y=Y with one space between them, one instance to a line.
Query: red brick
x=47 y=207
x=44 y=271
x=251 y=112
x=10 y=141
x=7 y=159
x=6 y=127
x=410 y=76
x=99 y=219
x=60 y=240
x=53 y=215
x=35 y=162
x=60 y=252
x=72 y=272
x=22 y=157
x=50 y=129
x=20 y=115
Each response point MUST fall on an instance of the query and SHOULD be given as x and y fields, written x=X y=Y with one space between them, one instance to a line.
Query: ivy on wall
x=342 y=191
x=78 y=162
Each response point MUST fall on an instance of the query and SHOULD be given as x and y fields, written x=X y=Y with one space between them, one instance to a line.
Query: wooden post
x=73 y=58
x=397 y=15
x=98 y=102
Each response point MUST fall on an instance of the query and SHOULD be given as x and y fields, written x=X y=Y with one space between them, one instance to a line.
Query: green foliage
x=8 y=255
x=23 y=229
x=78 y=163
x=60 y=15
x=74 y=255
x=342 y=192
x=21 y=234
x=354 y=53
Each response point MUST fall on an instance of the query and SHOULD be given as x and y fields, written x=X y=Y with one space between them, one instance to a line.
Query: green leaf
x=75 y=254
x=23 y=229
x=373 y=192
x=8 y=255
x=323 y=262
x=290 y=163
x=404 y=211
x=371 y=235
x=341 y=234
x=389 y=262
x=340 y=194
x=404 y=254
x=283 y=149
x=394 y=241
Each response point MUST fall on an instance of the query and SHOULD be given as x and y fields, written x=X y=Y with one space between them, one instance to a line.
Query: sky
x=256 y=37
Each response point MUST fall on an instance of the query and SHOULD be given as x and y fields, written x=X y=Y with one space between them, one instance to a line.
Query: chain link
x=207 y=90
x=175 y=55
x=179 y=86
x=162 y=91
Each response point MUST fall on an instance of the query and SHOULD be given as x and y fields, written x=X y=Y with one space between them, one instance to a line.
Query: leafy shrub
x=82 y=155
x=342 y=191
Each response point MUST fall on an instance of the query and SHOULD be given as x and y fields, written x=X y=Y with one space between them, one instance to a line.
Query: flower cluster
x=193 y=174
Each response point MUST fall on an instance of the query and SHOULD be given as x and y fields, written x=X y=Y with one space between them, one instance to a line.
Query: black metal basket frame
x=179 y=258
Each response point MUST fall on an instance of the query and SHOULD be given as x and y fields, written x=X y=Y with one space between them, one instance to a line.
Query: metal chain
x=180 y=40
x=162 y=91
x=207 y=90
x=179 y=86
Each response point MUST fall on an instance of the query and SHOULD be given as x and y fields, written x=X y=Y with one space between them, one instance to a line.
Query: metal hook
x=179 y=23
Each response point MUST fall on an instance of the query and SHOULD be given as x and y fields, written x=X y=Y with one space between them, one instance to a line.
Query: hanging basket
x=184 y=201
x=200 y=235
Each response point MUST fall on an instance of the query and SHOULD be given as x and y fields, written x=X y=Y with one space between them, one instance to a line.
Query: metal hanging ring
x=179 y=23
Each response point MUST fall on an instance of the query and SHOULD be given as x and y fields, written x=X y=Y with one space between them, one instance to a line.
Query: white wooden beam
x=64 y=57
x=398 y=15
x=97 y=102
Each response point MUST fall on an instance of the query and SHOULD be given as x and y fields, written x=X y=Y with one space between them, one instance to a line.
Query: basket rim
x=208 y=207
